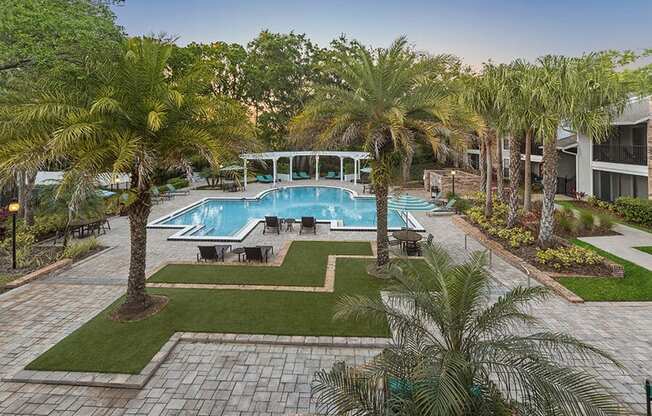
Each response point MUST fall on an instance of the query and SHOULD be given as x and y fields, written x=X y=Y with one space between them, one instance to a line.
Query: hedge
x=635 y=210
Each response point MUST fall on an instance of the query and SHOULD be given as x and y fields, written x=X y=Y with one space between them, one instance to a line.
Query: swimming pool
x=231 y=219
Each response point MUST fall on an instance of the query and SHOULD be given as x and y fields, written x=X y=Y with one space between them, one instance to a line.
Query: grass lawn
x=647 y=249
x=304 y=265
x=106 y=346
x=614 y=218
x=635 y=286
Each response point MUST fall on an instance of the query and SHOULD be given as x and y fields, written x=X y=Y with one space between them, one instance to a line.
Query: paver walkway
x=200 y=378
x=623 y=245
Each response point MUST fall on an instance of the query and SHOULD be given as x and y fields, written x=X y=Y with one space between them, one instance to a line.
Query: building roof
x=293 y=153
x=567 y=142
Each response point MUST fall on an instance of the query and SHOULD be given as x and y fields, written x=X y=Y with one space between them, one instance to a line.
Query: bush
x=495 y=226
x=566 y=257
x=25 y=240
x=565 y=221
x=606 y=223
x=462 y=205
x=587 y=220
x=635 y=210
x=179 y=182
x=80 y=249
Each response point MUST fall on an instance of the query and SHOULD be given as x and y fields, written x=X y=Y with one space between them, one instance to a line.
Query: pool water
x=227 y=217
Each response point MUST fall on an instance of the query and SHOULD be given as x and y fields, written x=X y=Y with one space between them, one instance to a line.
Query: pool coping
x=335 y=225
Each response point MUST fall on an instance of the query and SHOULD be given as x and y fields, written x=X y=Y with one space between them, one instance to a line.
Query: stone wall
x=466 y=183
x=649 y=156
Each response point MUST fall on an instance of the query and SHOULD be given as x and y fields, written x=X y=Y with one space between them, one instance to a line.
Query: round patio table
x=407 y=236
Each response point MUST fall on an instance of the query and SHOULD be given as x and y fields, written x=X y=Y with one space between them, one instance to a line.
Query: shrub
x=25 y=240
x=565 y=222
x=587 y=220
x=606 y=223
x=598 y=203
x=635 y=210
x=80 y=249
x=515 y=237
x=179 y=182
x=462 y=205
x=566 y=257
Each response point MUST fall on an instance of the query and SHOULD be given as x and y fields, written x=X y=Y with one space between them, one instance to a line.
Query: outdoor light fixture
x=14 y=207
x=453 y=175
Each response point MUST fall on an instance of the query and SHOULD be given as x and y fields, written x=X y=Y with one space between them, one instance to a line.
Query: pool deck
x=204 y=378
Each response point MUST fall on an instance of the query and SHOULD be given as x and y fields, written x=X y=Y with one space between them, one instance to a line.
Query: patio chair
x=263 y=179
x=304 y=175
x=270 y=178
x=332 y=175
x=258 y=253
x=296 y=176
x=272 y=223
x=158 y=196
x=308 y=223
x=448 y=208
x=412 y=249
x=174 y=191
x=427 y=243
x=209 y=253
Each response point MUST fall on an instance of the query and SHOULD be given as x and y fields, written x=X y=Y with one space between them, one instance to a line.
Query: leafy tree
x=139 y=121
x=454 y=353
x=385 y=102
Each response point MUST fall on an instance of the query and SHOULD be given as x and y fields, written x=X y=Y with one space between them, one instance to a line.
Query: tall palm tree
x=456 y=353
x=387 y=99
x=142 y=118
x=583 y=94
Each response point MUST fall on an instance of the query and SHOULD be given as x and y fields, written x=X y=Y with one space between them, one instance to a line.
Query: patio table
x=407 y=237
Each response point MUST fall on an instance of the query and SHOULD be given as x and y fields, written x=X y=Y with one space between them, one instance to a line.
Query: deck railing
x=631 y=155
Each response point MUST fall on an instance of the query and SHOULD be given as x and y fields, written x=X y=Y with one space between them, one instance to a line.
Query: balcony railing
x=631 y=155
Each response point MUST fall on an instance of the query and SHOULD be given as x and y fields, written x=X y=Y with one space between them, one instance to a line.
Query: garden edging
x=542 y=277
x=39 y=273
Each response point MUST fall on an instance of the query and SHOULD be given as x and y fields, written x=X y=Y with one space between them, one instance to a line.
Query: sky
x=476 y=31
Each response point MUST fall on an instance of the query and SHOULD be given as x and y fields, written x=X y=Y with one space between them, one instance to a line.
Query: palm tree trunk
x=382 y=245
x=547 y=224
x=30 y=181
x=482 y=167
x=488 y=204
x=137 y=298
x=514 y=179
x=500 y=181
x=407 y=166
x=527 y=184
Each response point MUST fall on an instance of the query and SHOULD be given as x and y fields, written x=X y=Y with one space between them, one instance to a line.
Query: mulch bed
x=528 y=253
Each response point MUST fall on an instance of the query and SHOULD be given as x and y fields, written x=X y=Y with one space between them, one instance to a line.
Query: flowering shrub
x=601 y=204
x=565 y=257
x=495 y=226
x=635 y=209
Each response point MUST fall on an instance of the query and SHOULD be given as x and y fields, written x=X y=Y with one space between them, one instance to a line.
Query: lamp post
x=14 y=207
x=453 y=175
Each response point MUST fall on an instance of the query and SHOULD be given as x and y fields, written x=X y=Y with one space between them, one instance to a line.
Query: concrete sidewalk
x=623 y=245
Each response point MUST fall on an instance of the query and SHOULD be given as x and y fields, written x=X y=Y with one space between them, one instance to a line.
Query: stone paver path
x=623 y=245
x=233 y=379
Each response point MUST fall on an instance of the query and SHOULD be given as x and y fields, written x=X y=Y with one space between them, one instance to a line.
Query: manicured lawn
x=304 y=265
x=635 y=286
x=647 y=249
x=107 y=346
x=614 y=218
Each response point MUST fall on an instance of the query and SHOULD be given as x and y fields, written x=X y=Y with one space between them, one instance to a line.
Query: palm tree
x=456 y=353
x=386 y=100
x=583 y=94
x=142 y=118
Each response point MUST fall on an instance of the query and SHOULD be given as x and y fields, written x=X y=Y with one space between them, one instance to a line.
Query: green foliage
x=25 y=240
x=606 y=222
x=567 y=257
x=179 y=182
x=495 y=226
x=462 y=205
x=635 y=210
x=455 y=352
x=80 y=249
x=587 y=220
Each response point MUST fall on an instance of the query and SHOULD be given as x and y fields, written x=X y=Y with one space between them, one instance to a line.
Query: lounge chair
x=308 y=223
x=449 y=207
x=263 y=179
x=269 y=178
x=158 y=196
x=304 y=175
x=272 y=223
x=332 y=175
x=211 y=253
x=174 y=191
x=258 y=253
x=296 y=176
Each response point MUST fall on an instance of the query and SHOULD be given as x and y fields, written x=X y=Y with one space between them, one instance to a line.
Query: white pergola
x=275 y=156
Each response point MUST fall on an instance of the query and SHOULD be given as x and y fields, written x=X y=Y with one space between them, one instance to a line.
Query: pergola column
x=317 y=167
x=355 y=171
x=274 y=170
x=341 y=169
x=245 y=174
x=291 y=157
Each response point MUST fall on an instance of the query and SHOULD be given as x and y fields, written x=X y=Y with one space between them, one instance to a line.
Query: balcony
x=630 y=155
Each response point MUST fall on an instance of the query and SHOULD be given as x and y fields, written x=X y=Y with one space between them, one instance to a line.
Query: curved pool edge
x=251 y=224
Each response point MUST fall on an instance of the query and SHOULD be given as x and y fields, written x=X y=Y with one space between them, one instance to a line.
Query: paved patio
x=232 y=379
